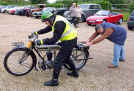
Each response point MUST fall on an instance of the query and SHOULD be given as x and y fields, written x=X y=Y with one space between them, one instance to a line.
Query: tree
x=131 y=7
x=105 y=4
x=117 y=1
x=38 y=1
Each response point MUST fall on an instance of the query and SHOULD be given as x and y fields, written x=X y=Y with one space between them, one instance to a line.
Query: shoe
x=112 y=66
x=51 y=83
x=73 y=74
x=122 y=60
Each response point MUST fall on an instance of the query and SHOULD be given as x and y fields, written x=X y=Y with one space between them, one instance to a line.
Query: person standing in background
x=76 y=13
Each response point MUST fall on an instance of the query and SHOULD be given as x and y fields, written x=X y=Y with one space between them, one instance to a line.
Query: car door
x=116 y=17
x=112 y=18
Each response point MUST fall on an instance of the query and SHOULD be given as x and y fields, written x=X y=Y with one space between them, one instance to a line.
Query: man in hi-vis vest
x=64 y=32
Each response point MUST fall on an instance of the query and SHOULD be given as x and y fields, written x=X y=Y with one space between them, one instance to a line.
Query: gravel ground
x=95 y=76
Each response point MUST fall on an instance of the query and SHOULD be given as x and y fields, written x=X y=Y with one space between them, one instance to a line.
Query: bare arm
x=93 y=36
x=104 y=36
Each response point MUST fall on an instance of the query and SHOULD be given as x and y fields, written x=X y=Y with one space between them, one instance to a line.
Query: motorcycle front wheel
x=19 y=61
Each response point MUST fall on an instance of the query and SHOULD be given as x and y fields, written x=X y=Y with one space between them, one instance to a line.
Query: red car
x=105 y=15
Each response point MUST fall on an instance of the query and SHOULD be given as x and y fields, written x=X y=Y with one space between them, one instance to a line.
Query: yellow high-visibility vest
x=69 y=32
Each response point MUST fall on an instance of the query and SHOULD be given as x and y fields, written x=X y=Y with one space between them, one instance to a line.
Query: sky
x=51 y=1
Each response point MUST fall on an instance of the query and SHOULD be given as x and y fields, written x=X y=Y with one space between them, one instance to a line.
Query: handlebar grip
x=34 y=36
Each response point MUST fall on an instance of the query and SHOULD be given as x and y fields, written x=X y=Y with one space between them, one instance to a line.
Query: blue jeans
x=119 y=53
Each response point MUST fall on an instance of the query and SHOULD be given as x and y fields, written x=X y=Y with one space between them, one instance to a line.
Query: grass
x=125 y=15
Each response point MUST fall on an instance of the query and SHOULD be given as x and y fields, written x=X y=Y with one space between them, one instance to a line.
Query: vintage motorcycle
x=23 y=58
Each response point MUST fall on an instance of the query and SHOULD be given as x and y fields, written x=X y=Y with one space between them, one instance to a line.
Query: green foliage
x=64 y=3
x=54 y=5
x=105 y=4
x=38 y=1
x=117 y=1
x=131 y=7
x=3 y=3
x=125 y=16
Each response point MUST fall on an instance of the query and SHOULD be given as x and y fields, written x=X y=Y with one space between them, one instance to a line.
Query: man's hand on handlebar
x=33 y=36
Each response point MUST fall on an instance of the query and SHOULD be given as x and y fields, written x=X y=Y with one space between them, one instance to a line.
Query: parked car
x=38 y=14
x=27 y=10
x=90 y=9
x=67 y=14
x=5 y=9
x=130 y=22
x=2 y=7
x=105 y=15
x=87 y=9
x=19 y=11
x=60 y=11
x=12 y=10
x=32 y=9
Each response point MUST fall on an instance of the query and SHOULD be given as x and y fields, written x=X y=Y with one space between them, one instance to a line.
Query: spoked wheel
x=19 y=62
x=79 y=58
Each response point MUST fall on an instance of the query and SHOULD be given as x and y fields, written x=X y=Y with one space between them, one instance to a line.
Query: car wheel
x=4 y=11
x=37 y=17
x=130 y=28
x=120 y=21
x=83 y=19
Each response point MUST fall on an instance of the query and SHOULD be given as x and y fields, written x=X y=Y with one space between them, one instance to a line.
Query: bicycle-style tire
x=16 y=51
x=75 y=57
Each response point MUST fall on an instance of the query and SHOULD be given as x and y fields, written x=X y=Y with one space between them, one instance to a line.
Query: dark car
x=39 y=13
x=67 y=14
x=60 y=11
x=130 y=22
x=19 y=11
x=90 y=9
x=87 y=9
x=28 y=10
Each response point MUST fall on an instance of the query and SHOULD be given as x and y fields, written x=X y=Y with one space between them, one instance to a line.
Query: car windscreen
x=84 y=7
x=132 y=14
x=102 y=13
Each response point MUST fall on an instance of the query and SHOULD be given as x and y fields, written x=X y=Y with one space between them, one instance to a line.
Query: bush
x=3 y=3
x=106 y=5
x=125 y=16
x=131 y=7
x=65 y=3
x=54 y=5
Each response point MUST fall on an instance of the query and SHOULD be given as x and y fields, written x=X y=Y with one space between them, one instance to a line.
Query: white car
x=5 y=10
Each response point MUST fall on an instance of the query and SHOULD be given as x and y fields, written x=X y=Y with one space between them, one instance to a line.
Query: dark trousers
x=75 y=20
x=64 y=57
